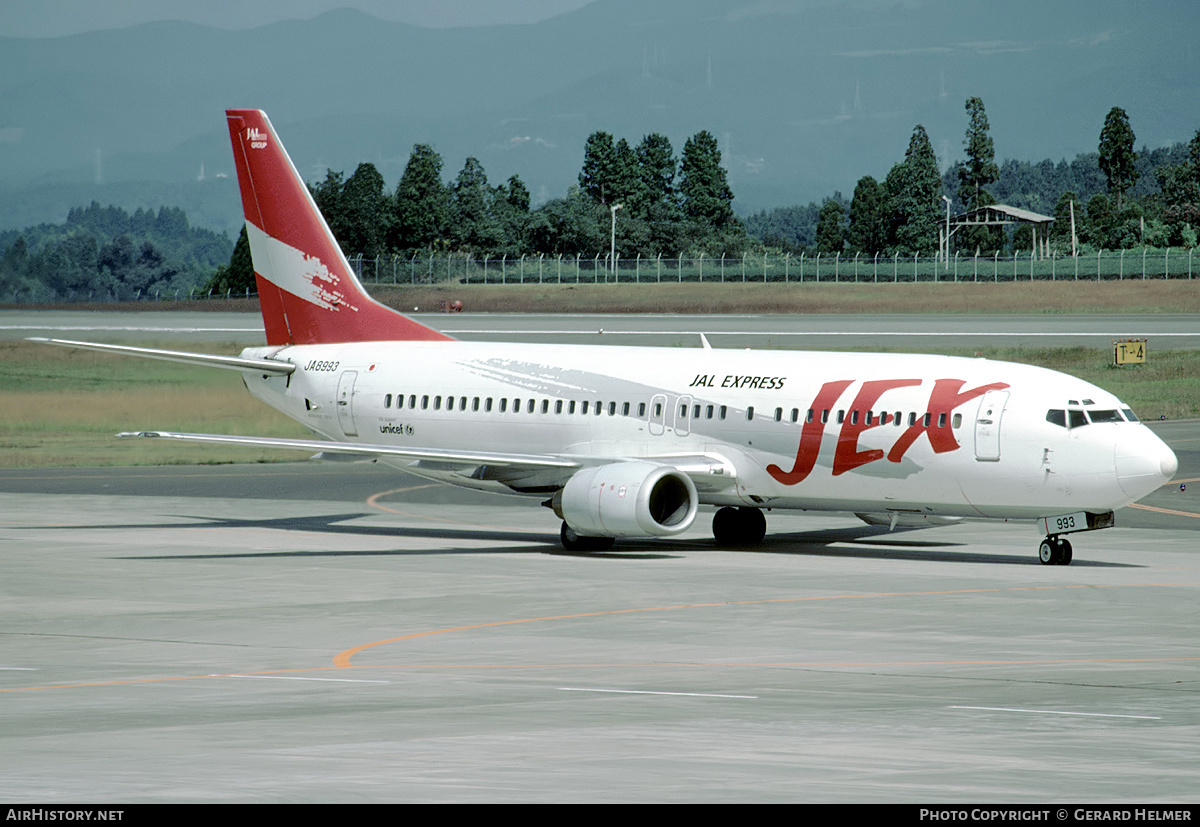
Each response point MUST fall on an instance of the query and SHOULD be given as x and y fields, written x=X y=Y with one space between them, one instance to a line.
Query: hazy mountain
x=805 y=96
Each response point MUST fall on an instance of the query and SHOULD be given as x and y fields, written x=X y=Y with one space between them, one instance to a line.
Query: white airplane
x=630 y=441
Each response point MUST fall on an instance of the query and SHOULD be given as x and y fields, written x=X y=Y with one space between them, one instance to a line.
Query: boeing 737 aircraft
x=631 y=441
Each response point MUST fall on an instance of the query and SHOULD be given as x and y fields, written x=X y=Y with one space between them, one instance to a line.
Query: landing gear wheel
x=739 y=526
x=754 y=526
x=572 y=541
x=725 y=527
x=1047 y=552
x=1055 y=551
x=1065 y=553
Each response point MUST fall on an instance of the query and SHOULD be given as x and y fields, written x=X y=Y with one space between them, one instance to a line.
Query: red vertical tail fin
x=308 y=293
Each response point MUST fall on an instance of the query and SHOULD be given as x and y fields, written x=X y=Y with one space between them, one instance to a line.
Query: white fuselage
x=911 y=434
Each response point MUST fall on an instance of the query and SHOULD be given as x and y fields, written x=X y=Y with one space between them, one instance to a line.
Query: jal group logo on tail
x=257 y=138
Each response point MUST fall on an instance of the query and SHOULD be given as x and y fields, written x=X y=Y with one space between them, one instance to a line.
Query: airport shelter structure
x=996 y=215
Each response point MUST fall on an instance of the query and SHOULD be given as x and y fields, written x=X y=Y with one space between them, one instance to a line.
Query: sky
x=56 y=18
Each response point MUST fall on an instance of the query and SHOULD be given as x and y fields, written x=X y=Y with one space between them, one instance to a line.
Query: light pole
x=946 y=260
x=612 y=252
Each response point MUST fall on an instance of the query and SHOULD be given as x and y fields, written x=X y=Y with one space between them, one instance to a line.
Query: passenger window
x=941 y=420
x=529 y=407
x=750 y=413
x=957 y=420
x=558 y=406
x=387 y=401
x=641 y=409
x=779 y=414
x=425 y=402
x=722 y=411
x=503 y=404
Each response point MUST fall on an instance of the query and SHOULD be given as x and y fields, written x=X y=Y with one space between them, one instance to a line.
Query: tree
x=980 y=168
x=866 y=231
x=421 y=205
x=328 y=197
x=474 y=225
x=238 y=275
x=599 y=161
x=913 y=188
x=510 y=210
x=1101 y=221
x=627 y=187
x=364 y=205
x=1117 y=158
x=656 y=167
x=830 y=235
x=706 y=194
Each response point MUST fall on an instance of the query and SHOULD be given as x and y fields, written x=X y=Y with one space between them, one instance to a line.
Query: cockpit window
x=1130 y=415
x=1076 y=419
x=1057 y=417
x=1104 y=416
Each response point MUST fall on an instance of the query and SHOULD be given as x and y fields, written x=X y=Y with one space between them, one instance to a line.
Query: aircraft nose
x=1143 y=462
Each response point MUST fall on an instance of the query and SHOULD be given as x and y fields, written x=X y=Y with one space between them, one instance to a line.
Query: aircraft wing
x=709 y=473
x=207 y=359
x=368 y=450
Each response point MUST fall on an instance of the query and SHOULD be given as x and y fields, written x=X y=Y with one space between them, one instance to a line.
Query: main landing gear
x=1055 y=551
x=739 y=526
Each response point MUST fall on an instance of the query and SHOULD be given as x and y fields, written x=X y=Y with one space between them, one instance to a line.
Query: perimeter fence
x=801 y=269
x=456 y=269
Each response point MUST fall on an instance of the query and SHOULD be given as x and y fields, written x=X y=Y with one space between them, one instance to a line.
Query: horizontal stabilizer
x=208 y=359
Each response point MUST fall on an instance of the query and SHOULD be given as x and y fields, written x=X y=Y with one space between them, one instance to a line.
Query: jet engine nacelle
x=628 y=499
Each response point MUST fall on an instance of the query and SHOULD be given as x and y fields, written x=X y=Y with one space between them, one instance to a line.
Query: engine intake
x=628 y=499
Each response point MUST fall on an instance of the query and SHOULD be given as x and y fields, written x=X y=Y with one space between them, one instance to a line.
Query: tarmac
x=347 y=633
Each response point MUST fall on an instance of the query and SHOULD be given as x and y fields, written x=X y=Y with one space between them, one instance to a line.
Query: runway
x=347 y=633
x=915 y=332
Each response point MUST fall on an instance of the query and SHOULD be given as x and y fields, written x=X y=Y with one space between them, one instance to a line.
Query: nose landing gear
x=1055 y=551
